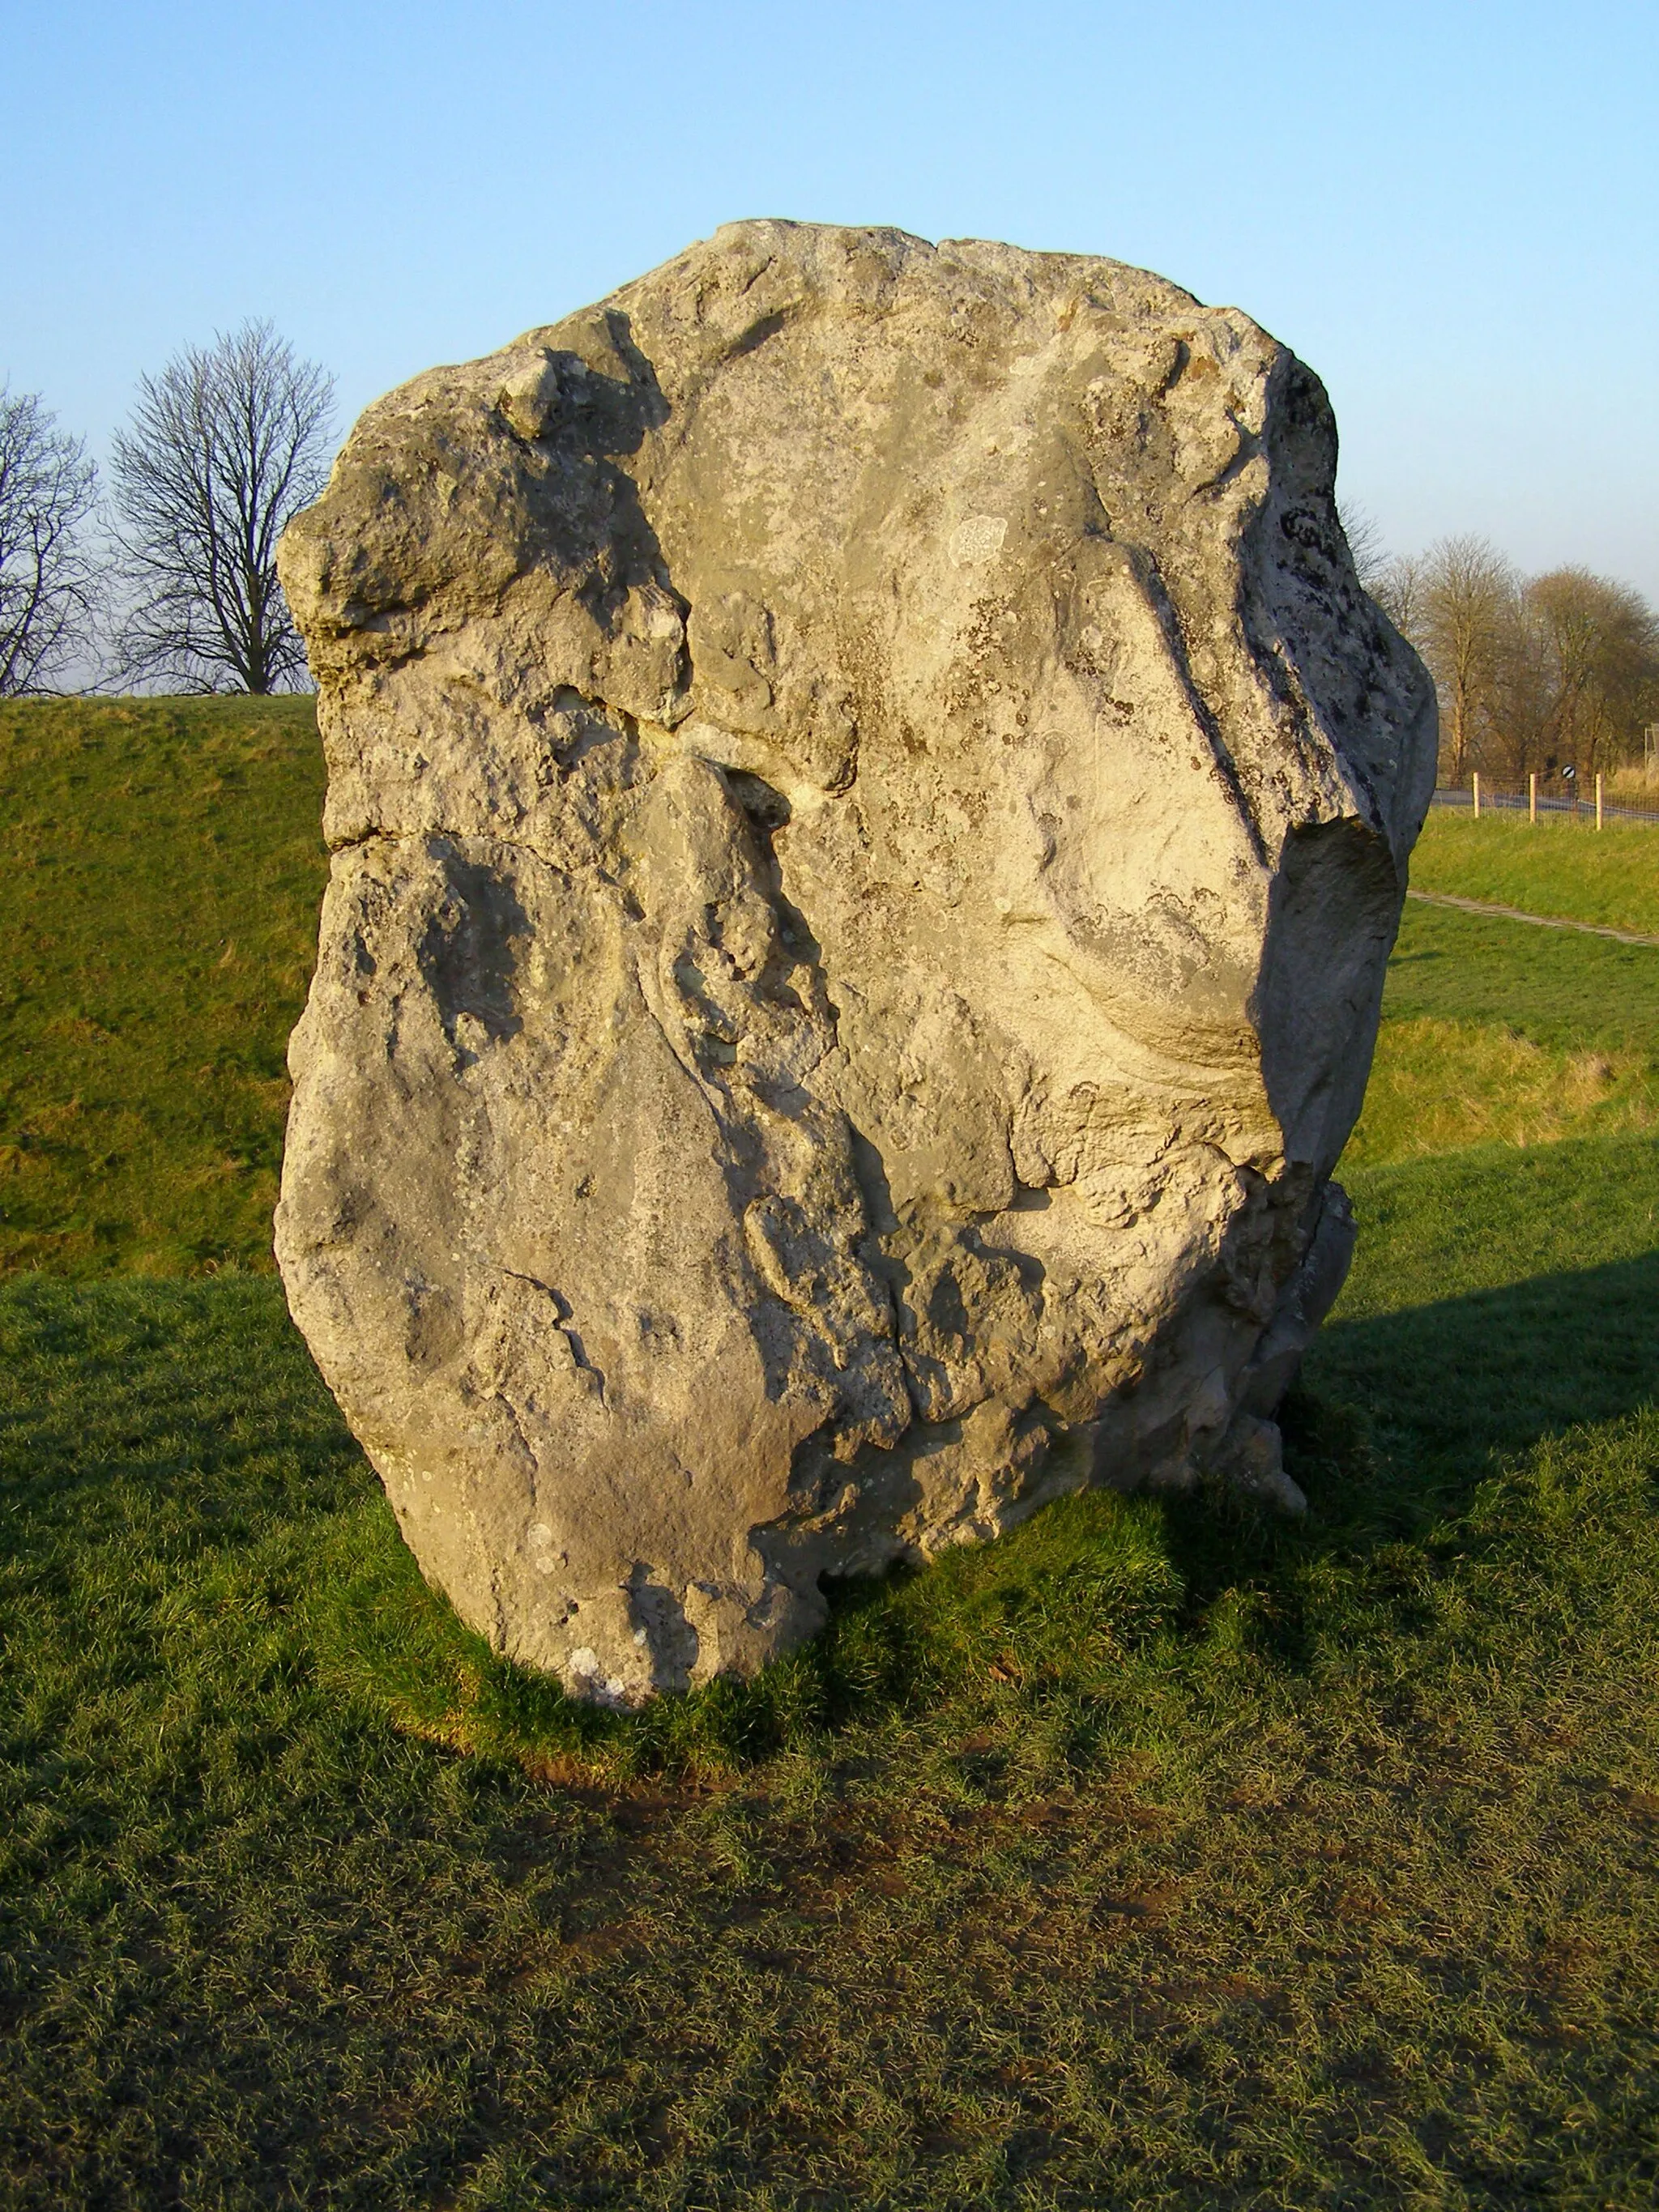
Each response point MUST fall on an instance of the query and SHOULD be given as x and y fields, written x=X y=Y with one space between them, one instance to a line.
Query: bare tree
x=1469 y=597
x=1520 y=711
x=47 y=489
x=1397 y=587
x=224 y=446
x=1365 y=536
x=1394 y=580
x=1597 y=645
x=1561 y=670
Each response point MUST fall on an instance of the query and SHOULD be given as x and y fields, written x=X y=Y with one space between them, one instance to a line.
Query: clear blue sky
x=1449 y=209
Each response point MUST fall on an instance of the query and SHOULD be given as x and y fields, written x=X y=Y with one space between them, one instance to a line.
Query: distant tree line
x=1534 y=674
x=167 y=578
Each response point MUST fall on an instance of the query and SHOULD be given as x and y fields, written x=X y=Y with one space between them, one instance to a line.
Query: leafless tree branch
x=1558 y=670
x=47 y=581
x=224 y=448
x=1365 y=536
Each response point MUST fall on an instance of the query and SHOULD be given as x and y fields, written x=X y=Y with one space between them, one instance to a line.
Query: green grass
x=1493 y=1031
x=1256 y=1867
x=160 y=868
x=1557 y=866
x=1558 y=988
x=1159 y=1856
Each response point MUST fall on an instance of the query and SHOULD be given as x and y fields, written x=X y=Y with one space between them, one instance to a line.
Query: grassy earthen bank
x=160 y=866
x=1558 y=864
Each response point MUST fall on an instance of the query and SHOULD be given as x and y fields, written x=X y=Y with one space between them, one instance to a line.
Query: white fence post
x=1598 y=798
x=1532 y=798
x=1476 y=782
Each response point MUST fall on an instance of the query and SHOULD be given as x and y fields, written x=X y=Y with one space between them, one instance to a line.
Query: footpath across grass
x=1496 y=1032
x=1162 y=1854
x=1560 y=865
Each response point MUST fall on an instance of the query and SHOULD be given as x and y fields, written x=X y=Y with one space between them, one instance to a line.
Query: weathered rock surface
x=869 y=811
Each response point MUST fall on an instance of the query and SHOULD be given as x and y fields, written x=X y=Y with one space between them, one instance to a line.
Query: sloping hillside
x=160 y=866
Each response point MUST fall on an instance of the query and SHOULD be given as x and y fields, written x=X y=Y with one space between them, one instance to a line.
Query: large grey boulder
x=869 y=811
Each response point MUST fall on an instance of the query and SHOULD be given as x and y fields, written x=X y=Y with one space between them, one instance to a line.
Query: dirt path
x=1539 y=920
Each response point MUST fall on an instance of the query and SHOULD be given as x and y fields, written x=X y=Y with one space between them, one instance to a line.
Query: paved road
x=1516 y=802
x=1539 y=920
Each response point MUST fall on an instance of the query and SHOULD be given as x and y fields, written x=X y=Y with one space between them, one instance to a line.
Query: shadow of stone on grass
x=1498 y=1370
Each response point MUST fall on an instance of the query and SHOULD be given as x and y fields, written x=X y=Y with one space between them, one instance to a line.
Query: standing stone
x=869 y=811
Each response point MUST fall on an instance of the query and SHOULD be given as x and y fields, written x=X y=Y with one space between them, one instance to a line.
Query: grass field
x=1160 y=1855
x=1560 y=865
x=160 y=868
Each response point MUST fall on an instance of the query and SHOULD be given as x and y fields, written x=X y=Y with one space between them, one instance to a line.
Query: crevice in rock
x=562 y=1315
x=1151 y=579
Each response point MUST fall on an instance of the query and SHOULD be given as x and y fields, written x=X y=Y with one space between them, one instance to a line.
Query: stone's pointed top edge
x=972 y=250
x=744 y=225
x=892 y=235
x=1056 y=253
